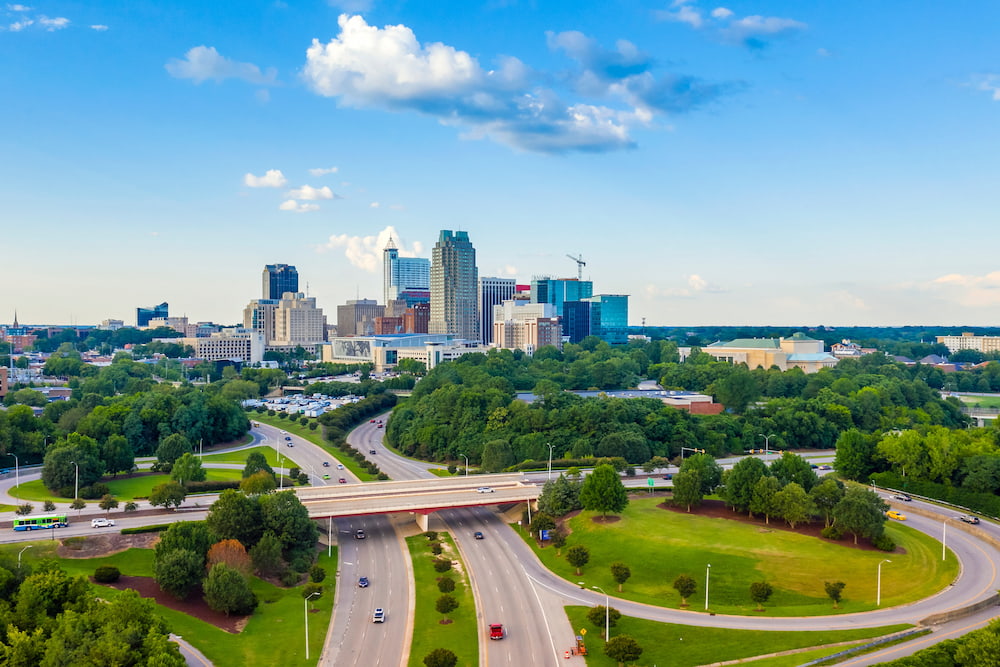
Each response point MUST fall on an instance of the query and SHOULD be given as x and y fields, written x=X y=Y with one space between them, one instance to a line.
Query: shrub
x=145 y=529
x=431 y=535
x=313 y=426
x=310 y=588
x=26 y=508
x=304 y=421
x=290 y=577
x=303 y=478
x=95 y=491
x=282 y=415
x=301 y=563
x=49 y=506
x=107 y=574
x=884 y=543
x=131 y=506
x=317 y=574
x=832 y=532
x=446 y=584
x=211 y=485
x=436 y=548
x=442 y=564
x=382 y=477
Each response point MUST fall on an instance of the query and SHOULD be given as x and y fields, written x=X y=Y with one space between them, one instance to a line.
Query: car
x=290 y=444
x=288 y=437
x=379 y=425
x=485 y=489
x=326 y=464
x=342 y=481
x=359 y=534
x=372 y=451
x=902 y=496
x=814 y=466
x=326 y=475
x=363 y=582
x=379 y=615
x=668 y=477
x=898 y=516
x=478 y=535
x=101 y=523
x=826 y=467
x=371 y=421
x=340 y=466
x=497 y=631
x=969 y=518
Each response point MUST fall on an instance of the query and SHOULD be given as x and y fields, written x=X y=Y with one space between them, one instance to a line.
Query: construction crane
x=579 y=266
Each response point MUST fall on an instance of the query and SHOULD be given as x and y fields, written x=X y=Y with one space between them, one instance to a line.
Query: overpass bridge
x=418 y=497
x=981 y=414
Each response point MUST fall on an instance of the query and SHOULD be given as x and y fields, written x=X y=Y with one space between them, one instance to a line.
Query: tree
x=760 y=591
x=793 y=468
x=622 y=649
x=49 y=506
x=603 y=491
x=178 y=571
x=227 y=590
x=981 y=647
x=825 y=497
x=834 y=591
x=187 y=469
x=560 y=496
x=600 y=616
x=194 y=536
x=861 y=513
x=497 y=455
x=266 y=555
x=168 y=494
x=172 y=448
x=446 y=604
x=578 y=556
x=855 y=455
x=232 y=553
x=63 y=459
x=708 y=468
x=108 y=503
x=687 y=489
x=439 y=657
x=288 y=519
x=737 y=390
x=131 y=506
x=117 y=454
x=558 y=537
x=793 y=504
x=257 y=462
x=685 y=586
x=446 y=585
x=620 y=572
x=258 y=484
x=236 y=516
x=739 y=482
x=762 y=501
x=77 y=504
x=24 y=509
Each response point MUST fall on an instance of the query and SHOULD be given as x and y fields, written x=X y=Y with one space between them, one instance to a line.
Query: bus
x=38 y=522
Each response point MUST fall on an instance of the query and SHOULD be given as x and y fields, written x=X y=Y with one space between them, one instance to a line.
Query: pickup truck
x=969 y=518
x=497 y=631
x=101 y=523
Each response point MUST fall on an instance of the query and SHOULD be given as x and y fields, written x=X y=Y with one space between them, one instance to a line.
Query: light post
x=551 y=447
x=201 y=451
x=17 y=473
x=767 y=444
x=466 y=464
x=878 y=585
x=305 y=604
x=708 y=570
x=607 y=614
x=19 y=556
x=76 y=490
x=329 y=536
x=281 y=478
x=944 y=537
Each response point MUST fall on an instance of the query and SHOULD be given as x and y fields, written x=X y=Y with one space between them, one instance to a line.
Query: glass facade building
x=278 y=279
x=454 y=287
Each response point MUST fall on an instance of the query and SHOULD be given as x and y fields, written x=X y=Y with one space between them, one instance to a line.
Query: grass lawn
x=440 y=472
x=461 y=635
x=658 y=545
x=274 y=635
x=982 y=401
x=123 y=488
x=316 y=437
x=684 y=645
x=240 y=457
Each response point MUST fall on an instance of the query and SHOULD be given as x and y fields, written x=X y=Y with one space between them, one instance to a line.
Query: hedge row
x=159 y=528
x=984 y=503
x=212 y=485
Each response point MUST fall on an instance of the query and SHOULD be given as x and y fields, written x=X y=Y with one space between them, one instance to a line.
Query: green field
x=123 y=488
x=239 y=457
x=658 y=545
x=316 y=437
x=459 y=636
x=275 y=634
x=671 y=645
x=982 y=401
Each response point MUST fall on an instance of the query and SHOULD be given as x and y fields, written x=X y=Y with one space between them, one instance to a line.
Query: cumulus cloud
x=968 y=290
x=203 y=63
x=19 y=8
x=18 y=26
x=754 y=32
x=272 y=179
x=323 y=171
x=365 y=252
x=99 y=27
x=987 y=83
x=312 y=194
x=296 y=207
x=53 y=24
x=388 y=68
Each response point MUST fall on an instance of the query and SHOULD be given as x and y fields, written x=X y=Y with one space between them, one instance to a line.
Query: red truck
x=497 y=631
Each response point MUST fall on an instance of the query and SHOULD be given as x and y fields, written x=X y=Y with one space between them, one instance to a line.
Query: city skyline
x=723 y=164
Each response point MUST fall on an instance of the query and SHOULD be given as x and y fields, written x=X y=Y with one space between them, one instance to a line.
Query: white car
x=101 y=523
x=484 y=489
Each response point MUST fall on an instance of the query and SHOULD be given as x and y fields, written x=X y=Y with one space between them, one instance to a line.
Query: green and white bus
x=39 y=522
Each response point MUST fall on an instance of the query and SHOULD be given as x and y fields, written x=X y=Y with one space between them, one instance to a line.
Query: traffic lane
x=368 y=437
x=504 y=594
x=81 y=526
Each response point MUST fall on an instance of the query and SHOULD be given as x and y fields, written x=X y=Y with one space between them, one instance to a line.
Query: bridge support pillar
x=423 y=520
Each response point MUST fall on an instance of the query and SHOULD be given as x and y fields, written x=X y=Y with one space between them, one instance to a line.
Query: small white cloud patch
x=272 y=179
x=203 y=63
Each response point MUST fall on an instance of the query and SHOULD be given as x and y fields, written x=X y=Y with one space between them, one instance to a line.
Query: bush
x=884 y=543
x=209 y=486
x=145 y=529
x=26 y=508
x=446 y=584
x=317 y=574
x=107 y=574
x=282 y=415
x=310 y=588
x=302 y=479
x=832 y=532
x=313 y=426
x=304 y=421
x=436 y=548
x=95 y=491
x=442 y=564
x=49 y=506
x=382 y=477
x=431 y=535
x=290 y=577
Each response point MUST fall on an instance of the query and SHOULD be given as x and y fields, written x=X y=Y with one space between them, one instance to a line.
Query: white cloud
x=292 y=205
x=18 y=26
x=967 y=290
x=272 y=179
x=987 y=83
x=753 y=32
x=322 y=171
x=203 y=63
x=365 y=252
x=352 y=6
x=19 y=8
x=262 y=95
x=312 y=194
x=849 y=300
x=52 y=25
x=721 y=13
x=99 y=27
x=695 y=285
x=374 y=204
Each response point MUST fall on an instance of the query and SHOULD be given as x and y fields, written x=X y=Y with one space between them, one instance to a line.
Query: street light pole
x=19 y=555
x=708 y=570
x=944 y=537
x=607 y=614
x=305 y=604
x=551 y=446
x=466 y=464
x=76 y=491
x=17 y=472
x=767 y=444
x=878 y=585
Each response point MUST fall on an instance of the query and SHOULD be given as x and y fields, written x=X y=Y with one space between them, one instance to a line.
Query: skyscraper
x=492 y=292
x=405 y=278
x=278 y=279
x=558 y=291
x=144 y=315
x=454 y=282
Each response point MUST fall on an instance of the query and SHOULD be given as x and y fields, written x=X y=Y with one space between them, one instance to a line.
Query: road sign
x=583 y=631
x=650 y=482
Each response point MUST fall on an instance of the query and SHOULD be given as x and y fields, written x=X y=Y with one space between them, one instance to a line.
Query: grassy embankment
x=123 y=488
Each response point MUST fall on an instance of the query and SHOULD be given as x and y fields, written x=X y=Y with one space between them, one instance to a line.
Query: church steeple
x=15 y=320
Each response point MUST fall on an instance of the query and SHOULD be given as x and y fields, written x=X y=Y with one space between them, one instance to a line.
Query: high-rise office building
x=278 y=279
x=454 y=283
x=405 y=278
x=519 y=325
x=609 y=317
x=293 y=319
x=357 y=317
x=558 y=291
x=144 y=315
x=492 y=292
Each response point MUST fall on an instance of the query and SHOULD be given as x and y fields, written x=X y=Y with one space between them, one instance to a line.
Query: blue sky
x=779 y=163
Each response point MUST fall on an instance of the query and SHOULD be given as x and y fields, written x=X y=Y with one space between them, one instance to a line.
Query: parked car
x=903 y=497
x=478 y=535
x=497 y=631
x=363 y=582
x=485 y=489
x=898 y=516
x=969 y=518
x=101 y=523
x=359 y=534
x=379 y=615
